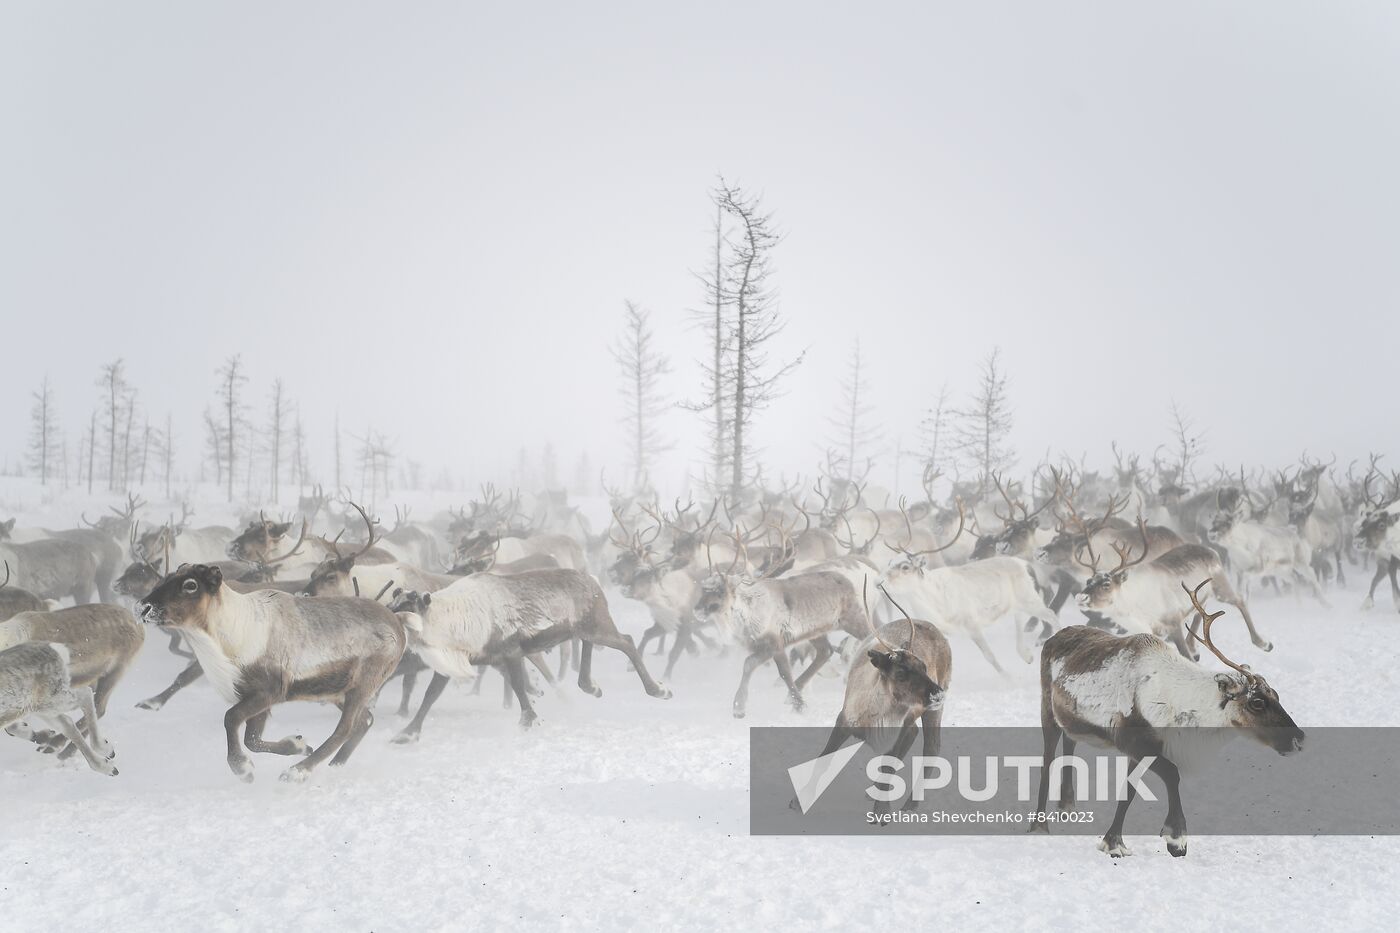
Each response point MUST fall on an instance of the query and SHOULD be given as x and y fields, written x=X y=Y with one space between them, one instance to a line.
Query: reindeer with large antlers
x=1159 y=701
x=768 y=614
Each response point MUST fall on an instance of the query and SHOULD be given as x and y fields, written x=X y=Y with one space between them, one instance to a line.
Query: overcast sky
x=427 y=216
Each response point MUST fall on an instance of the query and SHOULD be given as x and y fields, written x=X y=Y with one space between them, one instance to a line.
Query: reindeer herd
x=327 y=605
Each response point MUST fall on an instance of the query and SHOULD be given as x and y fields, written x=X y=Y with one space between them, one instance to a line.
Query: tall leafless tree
x=983 y=428
x=276 y=431
x=112 y=381
x=43 y=433
x=1189 y=442
x=641 y=366
x=231 y=382
x=717 y=368
x=935 y=430
x=745 y=275
x=854 y=434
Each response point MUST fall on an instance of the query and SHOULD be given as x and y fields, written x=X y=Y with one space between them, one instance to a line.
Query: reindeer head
x=1101 y=589
x=182 y=599
x=1248 y=701
x=332 y=577
x=260 y=541
x=410 y=601
x=902 y=672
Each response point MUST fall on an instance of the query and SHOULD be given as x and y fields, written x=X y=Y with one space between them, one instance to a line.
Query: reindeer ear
x=882 y=661
x=211 y=576
x=1226 y=683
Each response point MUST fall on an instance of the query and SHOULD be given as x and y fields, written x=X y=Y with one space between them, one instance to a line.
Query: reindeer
x=36 y=680
x=768 y=616
x=1142 y=596
x=53 y=568
x=1258 y=550
x=567 y=552
x=14 y=600
x=970 y=597
x=264 y=648
x=1136 y=695
x=410 y=543
x=497 y=620
x=1377 y=531
x=102 y=641
x=668 y=593
x=186 y=544
x=899 y=678
x=339 y=576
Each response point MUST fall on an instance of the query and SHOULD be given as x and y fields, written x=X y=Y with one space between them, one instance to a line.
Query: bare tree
x=337 y=451
x=128 y=417
x=935 y=430
x=299 y=450
x=641 y=366
x=756 y=321
x=112 y=381
x=983 y=428
x=91 y=448
x=854 y=434
x=1190 y=443
x=214 y=445
x=231 y=382
x=276 y=431
x=167 y=453
x=717 y=370
x=145 y=448
x=43 y=433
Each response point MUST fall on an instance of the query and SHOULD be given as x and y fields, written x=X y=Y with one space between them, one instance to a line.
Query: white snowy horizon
x=427 y=221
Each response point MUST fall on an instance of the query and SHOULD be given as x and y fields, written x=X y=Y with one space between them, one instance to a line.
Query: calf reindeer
x=1135 y=695
x=267 y=647
x=36 y=680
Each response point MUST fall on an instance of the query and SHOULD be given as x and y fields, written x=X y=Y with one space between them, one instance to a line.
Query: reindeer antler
x=1207 y=619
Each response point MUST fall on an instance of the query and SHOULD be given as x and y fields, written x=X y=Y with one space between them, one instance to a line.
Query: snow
x=630 y=812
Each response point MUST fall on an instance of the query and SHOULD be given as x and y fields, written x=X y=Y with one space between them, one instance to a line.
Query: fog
x=427 y=219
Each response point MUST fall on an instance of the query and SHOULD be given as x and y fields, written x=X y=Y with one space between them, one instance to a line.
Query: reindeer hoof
x=242 y=769
x=405 y=738
x=527 y=720
x=293 y=775
x=738 y=714
x=1265 y=645
x=1114 y=847
x=151 y=704
x=1368 y=603
x=1039 y=827
x=298 y=745
x=662 y=692
x=798 y=704
x=592 y=690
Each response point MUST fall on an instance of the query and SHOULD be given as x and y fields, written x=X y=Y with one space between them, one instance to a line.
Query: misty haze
x=438 y=433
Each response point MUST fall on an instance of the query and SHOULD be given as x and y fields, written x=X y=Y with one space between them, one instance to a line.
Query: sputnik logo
x=810 y=779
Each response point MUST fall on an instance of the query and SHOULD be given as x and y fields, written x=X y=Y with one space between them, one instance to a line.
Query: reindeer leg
x=189 y=675
x=585 y=670
x=1112 y=841
x=352 y=718
x=1174 y=829
x=902 y=743
x=823 y=654
x=784 y=665
x=411 y=731
x=1382 y=568
x=683 y=641
x=1068 y=796
x=177 y=648
x=254 y=742
x=348 y=749
x=535 y=659
x=840 y=732
x=624 y=643
x=1226 y=594
x=515 y=673
x=69 y=729
x=982 y=646
x=1051 y=734
x=751 y=663
x=1394 y=587
x=237 y=715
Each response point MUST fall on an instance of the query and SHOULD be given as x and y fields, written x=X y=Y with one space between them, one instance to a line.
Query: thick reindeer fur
x=768 y=616
x=1138 y=695
x=36 y=680
x=53 y=568
x=266 y=647
x=489 y=619
x=102 y=641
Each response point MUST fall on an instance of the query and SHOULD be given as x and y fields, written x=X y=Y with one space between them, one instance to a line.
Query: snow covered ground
x=627 y=812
